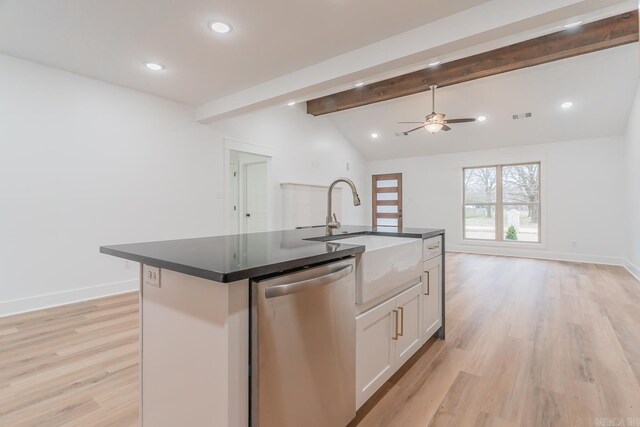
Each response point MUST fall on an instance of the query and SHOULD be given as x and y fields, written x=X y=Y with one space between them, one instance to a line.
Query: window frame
x=500 y=204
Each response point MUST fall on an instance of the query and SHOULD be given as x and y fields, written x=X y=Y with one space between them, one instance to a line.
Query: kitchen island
x=198 y=306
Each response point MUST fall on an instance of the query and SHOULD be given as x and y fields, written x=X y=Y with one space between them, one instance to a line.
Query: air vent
x=521 y=116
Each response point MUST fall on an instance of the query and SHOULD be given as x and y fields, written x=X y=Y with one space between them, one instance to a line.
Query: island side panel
x=194 y=352
x=443 y=289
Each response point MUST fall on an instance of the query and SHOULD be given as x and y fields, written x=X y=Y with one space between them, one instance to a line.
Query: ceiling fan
x=435 y=122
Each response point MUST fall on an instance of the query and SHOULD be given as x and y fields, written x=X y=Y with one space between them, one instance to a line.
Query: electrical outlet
x=151 y=276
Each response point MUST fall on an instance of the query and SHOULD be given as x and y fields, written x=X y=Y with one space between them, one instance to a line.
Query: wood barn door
x=387 y=200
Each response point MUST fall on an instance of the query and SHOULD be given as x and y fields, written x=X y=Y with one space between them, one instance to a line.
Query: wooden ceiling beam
x=603 y=34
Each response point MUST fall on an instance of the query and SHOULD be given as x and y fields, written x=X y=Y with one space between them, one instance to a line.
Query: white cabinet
x=388 y=334
x=409 y=335
x=432 y=297
x=375 y=349
x=386 y=337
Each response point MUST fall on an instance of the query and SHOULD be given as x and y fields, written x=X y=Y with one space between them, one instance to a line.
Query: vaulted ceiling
x=601 y=86
x=278 y=51
x=283 y=50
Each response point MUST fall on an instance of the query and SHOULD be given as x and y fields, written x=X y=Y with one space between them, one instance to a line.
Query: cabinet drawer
x=431 y=248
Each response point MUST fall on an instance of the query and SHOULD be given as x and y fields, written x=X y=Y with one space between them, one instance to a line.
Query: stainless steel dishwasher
x=303 y=348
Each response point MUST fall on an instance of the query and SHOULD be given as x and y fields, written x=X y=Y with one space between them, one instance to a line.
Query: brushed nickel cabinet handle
x=401 y=333
x=396 y=328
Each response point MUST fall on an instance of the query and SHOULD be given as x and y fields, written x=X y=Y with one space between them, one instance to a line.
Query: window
x=502 y=203
x=387 y=200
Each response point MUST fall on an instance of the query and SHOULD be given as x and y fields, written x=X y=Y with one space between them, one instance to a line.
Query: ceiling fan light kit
x=435 y=122
x=434 y=127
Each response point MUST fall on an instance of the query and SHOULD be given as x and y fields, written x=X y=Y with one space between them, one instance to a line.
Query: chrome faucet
x=332 y=220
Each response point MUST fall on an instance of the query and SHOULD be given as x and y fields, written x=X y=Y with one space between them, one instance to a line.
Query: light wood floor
x=529 y=342
x=75 y=365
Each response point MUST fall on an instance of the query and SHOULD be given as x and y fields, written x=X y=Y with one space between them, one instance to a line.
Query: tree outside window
x=502 y=203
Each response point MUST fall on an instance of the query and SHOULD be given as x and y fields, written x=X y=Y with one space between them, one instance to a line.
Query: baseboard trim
x=39 y=302
x=632 y=269
x=524 y=253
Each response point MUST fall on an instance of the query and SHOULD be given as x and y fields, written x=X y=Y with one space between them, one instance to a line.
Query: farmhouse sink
x=386 y=264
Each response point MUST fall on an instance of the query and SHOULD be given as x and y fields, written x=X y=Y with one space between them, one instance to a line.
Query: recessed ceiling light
x=374 y=135
x=359 y=84
x=566 y=105
x=573 y=24
x=153 y=66
x=482 y=118
x=291 y=103
x=433 y=64
x=220 y=27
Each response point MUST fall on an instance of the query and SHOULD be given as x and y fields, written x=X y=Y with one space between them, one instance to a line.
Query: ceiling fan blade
x=410 y=123
x=460 y=121
x=409 y=131
x=445 y=128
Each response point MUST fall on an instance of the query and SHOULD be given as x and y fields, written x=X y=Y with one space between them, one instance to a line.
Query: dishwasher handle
x=303 y=285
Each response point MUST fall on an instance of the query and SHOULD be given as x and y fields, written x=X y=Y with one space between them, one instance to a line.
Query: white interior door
x=255 y=206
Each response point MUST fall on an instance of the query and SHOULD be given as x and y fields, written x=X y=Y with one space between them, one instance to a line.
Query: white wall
x=83 y=164
x=307 y=150
x=632 y=154
x=577 y=176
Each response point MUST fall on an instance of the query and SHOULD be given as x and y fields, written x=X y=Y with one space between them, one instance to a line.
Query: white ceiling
x=109 y=40
x=487 y=26
x=601 y=85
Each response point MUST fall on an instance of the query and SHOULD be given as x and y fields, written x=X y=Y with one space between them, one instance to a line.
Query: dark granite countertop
x=235 y=257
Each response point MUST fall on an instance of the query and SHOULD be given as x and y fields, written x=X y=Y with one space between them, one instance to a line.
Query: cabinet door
x=375 y=349
x=431 y=298
x=409 y=328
